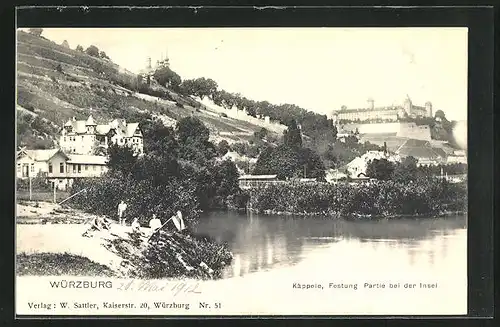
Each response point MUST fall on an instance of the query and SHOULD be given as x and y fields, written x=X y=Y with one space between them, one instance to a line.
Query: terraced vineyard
x=58 y=83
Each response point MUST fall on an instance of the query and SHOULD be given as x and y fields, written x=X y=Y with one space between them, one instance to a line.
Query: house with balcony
x=58 y=167
x=89 y=138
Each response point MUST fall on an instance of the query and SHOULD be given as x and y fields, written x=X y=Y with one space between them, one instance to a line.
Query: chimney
x=149 y=62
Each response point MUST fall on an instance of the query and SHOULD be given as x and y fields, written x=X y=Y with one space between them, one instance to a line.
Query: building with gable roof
x=87 y=137
x=423 y=151
x=33 y=163
x=58 y=167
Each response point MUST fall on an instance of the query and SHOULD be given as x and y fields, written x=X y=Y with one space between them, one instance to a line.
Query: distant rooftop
x=258 y=177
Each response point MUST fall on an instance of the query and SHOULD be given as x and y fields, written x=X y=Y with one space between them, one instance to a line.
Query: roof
x=258 y=177
x=90 y=121
x=87 y=159
x=390 y=108
x=78 y=126
x=41 y=155
x=120 y=125
x=102 y=129
x=420 y=149
x=131 y=128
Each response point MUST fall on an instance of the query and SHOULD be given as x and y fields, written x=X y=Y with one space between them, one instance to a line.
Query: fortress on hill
x=380 y=124
x=382 y=114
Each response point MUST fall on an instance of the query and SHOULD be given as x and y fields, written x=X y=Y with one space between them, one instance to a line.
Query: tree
x=92 y=51
x=65 y=44
x=79 y=48
x=292 y=137
x=380 y=169
x=191 y=129
x=282 y=161
x=406 y=170
x=194 y=144
x=167 y=77
x=103 y=55
x=36 y=31
x=440 y=114
x=225 y=175
x=288 y=162
x=310 y=160
x=59 y=68
x=121 y=159
x=261 y=134
x=200 y=87
x=223 y=148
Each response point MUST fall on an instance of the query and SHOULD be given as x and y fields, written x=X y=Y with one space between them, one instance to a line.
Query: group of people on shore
x=155 y=224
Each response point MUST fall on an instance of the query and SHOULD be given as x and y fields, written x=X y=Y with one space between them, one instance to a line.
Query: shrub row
x=373 y=199
x=142 y=197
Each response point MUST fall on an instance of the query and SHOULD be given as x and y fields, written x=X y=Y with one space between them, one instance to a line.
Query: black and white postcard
x=241 y=171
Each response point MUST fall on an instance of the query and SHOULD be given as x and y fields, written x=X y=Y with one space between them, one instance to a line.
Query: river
x=275 y=252
x=266 y=242
x=394 y=267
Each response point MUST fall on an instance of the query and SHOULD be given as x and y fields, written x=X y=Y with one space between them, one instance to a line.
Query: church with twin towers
x=148 y=72
x=383 y=113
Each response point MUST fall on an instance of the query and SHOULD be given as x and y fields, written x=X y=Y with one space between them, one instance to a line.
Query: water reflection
x=261 y=242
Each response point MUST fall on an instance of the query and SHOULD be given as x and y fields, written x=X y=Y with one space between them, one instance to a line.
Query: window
x=18 y=168
x=79 y=168
x=74 y=168
x=61 y=168
x=32 y=168
x=94 y=167
x=50 y=168
x=86 y=167
x=64 y=139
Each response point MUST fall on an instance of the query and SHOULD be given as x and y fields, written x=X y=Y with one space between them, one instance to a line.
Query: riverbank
x=49 y=242
x=327 y=215
x=370 y=200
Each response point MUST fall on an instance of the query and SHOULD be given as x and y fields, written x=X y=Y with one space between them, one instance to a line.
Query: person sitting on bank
x=154 y=223
x=136 y=227
x=96 y=225
x=103 y=223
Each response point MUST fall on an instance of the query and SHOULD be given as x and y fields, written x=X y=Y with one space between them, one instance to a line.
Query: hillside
x=57 y=83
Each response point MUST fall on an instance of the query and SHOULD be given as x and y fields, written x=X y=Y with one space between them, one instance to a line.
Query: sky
x=318 y=69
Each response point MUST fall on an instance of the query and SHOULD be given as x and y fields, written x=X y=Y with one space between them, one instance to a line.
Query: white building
x=357 y=167
x=387 y=113
x=87 y=137
x=59 y=167
x=32 y=163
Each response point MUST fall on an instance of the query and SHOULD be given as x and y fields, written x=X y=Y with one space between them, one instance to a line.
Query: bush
x=38 y=183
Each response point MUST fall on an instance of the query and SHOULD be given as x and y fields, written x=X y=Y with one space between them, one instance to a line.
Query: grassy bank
x=53 y=264
x=45 y=196
x=172 y=255
x=61 y=249
x=426 y=197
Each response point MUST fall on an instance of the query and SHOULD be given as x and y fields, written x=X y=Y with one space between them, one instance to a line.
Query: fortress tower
x=407 y=105
x=371 y=104
x=428 y=108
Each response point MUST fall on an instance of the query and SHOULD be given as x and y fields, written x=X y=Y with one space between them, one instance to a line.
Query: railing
x=248 y=184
